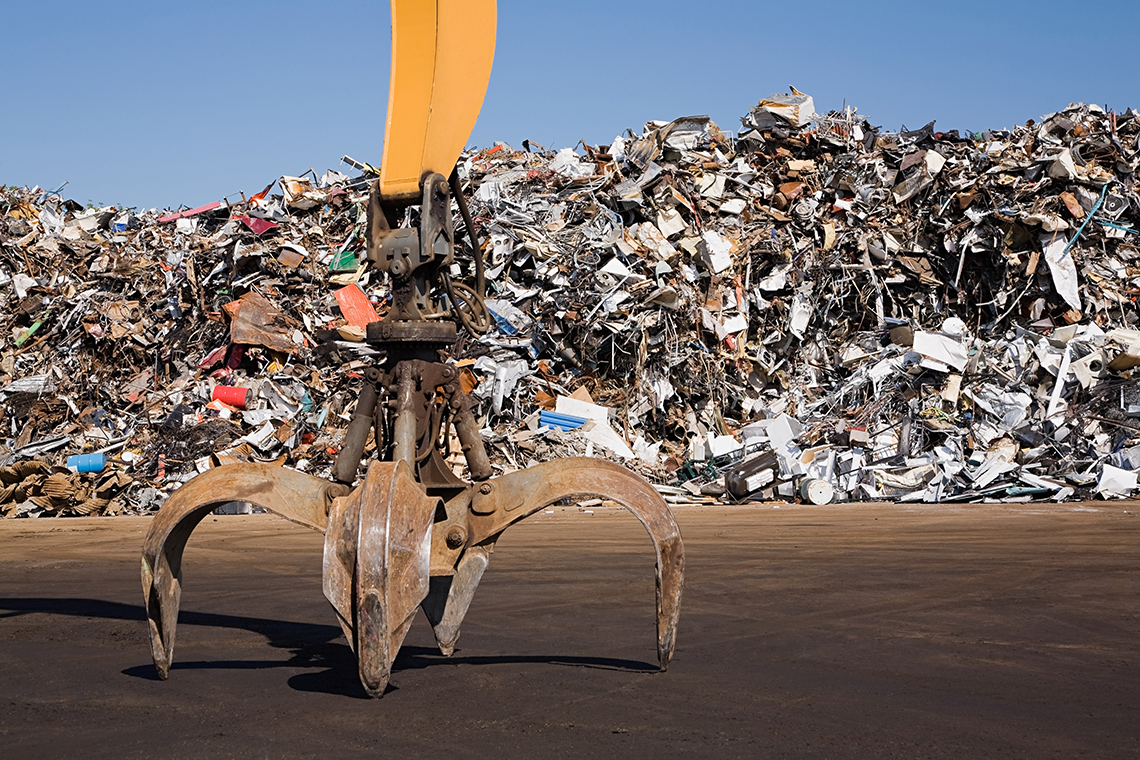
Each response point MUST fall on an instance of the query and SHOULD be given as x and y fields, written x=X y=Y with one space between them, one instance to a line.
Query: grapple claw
x=451 y=595
x=295 y=496
x=378 y=546
x=510 y=498
x=377 y=563
x=379 y=552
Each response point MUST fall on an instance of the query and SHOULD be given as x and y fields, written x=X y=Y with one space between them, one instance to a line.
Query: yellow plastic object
x=442 y=51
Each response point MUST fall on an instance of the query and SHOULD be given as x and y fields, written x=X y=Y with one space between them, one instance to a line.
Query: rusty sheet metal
x=355 y=306
x=254 y=320
x=293 y=495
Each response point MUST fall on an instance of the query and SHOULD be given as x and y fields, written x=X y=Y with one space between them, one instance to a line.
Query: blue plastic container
x=561 y=421
x=87 y=462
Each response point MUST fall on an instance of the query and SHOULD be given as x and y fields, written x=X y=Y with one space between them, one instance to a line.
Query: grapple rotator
x=411 y=533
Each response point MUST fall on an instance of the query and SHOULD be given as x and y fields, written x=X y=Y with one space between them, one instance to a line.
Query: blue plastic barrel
x=87 y=462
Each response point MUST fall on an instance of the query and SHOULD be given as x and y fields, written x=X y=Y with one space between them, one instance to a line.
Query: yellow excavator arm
x=442 y=51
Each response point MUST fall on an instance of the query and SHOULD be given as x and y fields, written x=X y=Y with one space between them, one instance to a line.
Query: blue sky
x=148 y=103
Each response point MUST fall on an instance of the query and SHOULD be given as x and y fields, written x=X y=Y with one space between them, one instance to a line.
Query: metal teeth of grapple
x=380 y=551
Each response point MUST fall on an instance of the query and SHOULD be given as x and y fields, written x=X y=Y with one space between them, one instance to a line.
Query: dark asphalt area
x=846 y=631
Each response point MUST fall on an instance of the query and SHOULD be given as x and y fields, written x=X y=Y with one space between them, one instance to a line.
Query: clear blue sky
x=151 y=103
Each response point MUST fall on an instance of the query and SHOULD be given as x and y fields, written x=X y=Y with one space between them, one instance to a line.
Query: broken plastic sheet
x=599 y=432
x=1116 y=483
x=1062 y=269
x=940 y=352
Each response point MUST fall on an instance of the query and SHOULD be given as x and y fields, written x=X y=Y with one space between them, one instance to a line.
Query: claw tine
x=517 y=495
x=670 y=580
x=161 y=592
x=392 y=566
x=451 y=596
x=293 y=495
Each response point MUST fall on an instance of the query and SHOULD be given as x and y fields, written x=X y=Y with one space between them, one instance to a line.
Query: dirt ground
x=873 y=631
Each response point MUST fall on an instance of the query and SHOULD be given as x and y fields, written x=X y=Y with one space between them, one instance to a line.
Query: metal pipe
x=355 y=439
x=404 y=431
x=457 y=191
x=472 y=443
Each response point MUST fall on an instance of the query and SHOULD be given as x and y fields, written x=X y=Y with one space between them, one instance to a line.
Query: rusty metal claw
x=295 y=496
x=377 y=565
x=506 y=500
x=391 y=548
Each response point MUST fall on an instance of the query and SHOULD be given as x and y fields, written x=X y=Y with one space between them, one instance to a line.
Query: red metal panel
x=355 y=306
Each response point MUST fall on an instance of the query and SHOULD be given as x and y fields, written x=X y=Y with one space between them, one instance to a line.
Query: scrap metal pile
x=813 y=308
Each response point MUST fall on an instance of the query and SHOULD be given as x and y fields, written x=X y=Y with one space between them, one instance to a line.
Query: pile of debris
x=812 y=309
